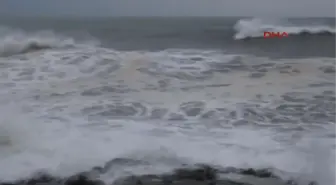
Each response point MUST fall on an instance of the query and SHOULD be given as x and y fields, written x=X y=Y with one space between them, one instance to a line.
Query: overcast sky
x=169 y=7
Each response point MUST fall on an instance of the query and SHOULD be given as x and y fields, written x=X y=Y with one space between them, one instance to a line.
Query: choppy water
x=73 y=101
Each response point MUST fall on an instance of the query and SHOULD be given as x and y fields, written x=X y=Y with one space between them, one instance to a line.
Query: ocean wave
x=201 y=174
x=13 y=41
x=70 y=131
x=255 y=28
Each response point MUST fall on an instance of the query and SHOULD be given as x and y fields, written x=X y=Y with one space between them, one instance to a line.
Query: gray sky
x=169 y=7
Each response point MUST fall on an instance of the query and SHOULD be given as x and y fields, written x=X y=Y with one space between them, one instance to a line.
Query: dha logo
x=275 y=34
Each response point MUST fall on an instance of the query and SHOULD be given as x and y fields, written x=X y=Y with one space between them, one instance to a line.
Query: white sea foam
x=15 y=41
x=42 y=126
x=256 y=27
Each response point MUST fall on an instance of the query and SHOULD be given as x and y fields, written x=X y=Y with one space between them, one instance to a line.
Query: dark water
x=195 y=33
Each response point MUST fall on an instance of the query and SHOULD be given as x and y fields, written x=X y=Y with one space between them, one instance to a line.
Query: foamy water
x=256 y=27
x=67 y=110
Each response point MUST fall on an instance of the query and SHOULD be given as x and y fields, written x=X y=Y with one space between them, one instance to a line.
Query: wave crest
x=14 y=42
x=255 y=28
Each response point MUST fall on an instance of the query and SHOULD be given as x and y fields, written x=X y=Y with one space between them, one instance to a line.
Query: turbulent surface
x=190 y=174
x=74 y=105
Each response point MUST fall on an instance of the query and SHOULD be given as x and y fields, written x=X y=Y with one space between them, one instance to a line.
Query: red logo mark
x=275 y=34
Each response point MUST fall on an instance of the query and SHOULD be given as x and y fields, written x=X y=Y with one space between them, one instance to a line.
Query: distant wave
x=255 y=28
x=14 y=41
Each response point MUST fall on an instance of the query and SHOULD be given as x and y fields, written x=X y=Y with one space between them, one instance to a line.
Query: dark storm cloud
x=170 y=7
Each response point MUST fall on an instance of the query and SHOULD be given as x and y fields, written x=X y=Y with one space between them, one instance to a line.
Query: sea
x=77 y=92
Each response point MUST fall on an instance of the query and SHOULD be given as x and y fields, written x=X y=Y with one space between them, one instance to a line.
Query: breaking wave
x=152 y=112
x=13 y=41
x=201 y=174
x=255 y=28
